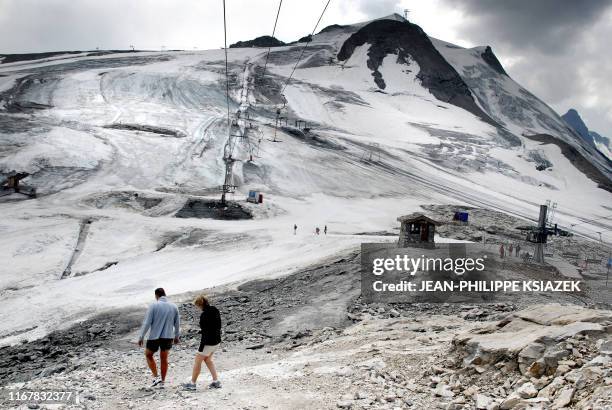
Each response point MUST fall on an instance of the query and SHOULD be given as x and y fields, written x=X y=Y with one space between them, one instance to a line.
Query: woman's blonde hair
x=201 y=301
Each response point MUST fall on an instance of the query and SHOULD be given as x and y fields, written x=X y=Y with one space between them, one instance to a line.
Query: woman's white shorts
x=208 y=349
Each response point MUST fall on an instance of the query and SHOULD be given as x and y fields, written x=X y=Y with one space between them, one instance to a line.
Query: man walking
x=162 y=321
x=294 y=229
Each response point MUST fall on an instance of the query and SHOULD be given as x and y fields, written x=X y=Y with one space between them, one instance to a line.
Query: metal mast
x=228 y=182
x=541 y=235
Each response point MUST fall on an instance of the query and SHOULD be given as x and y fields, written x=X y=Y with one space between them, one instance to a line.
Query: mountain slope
x=117 y=144
x=409 y=42
x=602 y=144
x=592 y=138
x=516 y=109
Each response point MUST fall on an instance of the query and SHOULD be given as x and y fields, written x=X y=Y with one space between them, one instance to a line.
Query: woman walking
x=210 y=324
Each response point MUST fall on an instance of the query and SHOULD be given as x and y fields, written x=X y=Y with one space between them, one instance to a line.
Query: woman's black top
x=210 y=323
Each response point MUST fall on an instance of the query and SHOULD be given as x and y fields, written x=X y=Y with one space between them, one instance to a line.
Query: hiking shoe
x=156 y=381
x=161 y=385
x=189 y=386
x=215 y=385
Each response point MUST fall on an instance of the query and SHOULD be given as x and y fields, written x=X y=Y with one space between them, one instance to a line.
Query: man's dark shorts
x=163 y=344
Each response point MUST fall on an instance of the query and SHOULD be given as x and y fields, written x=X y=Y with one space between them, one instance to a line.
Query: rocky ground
x=308 y=341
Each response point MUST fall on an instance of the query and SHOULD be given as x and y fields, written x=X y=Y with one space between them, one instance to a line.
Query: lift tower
x=541 y=235
x=238 y=131
x=228 y=182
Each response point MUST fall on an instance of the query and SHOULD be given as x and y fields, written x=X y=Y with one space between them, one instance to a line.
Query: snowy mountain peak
x=575 y=121
x=597 y=141
x=394 y=16
x=492 y=60
x=410 y=43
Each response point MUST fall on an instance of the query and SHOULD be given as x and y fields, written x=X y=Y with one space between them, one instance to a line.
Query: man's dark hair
x=159 y=292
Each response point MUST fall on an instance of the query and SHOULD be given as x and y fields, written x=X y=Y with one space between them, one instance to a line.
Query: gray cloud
x=51 y=25
x=547 y=25
x=376 y=9
x=559 y=50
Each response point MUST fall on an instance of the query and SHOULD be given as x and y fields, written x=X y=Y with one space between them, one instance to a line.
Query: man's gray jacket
x=162 y=321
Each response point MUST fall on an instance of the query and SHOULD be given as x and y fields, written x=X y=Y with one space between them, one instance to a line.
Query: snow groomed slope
x=126 y=140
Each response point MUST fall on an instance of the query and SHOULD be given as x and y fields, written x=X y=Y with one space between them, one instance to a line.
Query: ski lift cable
x=304 y=48
x=230 y=145
x=273 y=32
x=227 y=99
x=599 y=232
x=591 y=220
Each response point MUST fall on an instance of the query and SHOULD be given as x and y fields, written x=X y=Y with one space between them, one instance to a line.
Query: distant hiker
x=162 y=321
x=501 y=251
x=317 y=230
x=325 y=230
x=518 y=249
x=510 y=250
x=210 y=325
x=294 y=229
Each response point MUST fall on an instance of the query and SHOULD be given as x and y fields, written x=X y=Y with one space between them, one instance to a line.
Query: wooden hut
x=417 y=230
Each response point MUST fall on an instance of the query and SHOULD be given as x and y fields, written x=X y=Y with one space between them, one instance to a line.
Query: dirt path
x=257 y=312
x=314 y=373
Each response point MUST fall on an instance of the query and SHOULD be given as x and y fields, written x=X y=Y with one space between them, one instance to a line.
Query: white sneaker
x=156 y=381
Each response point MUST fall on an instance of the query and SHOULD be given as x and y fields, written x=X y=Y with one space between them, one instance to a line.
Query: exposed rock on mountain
x=597 y=141
x=409 y=42
x=263 y=41
x=492 y=60
x=332 y=27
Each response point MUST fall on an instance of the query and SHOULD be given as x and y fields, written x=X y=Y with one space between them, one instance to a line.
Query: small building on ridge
x=417 y=230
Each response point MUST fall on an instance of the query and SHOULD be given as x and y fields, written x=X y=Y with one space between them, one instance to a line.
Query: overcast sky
x=559 y=50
